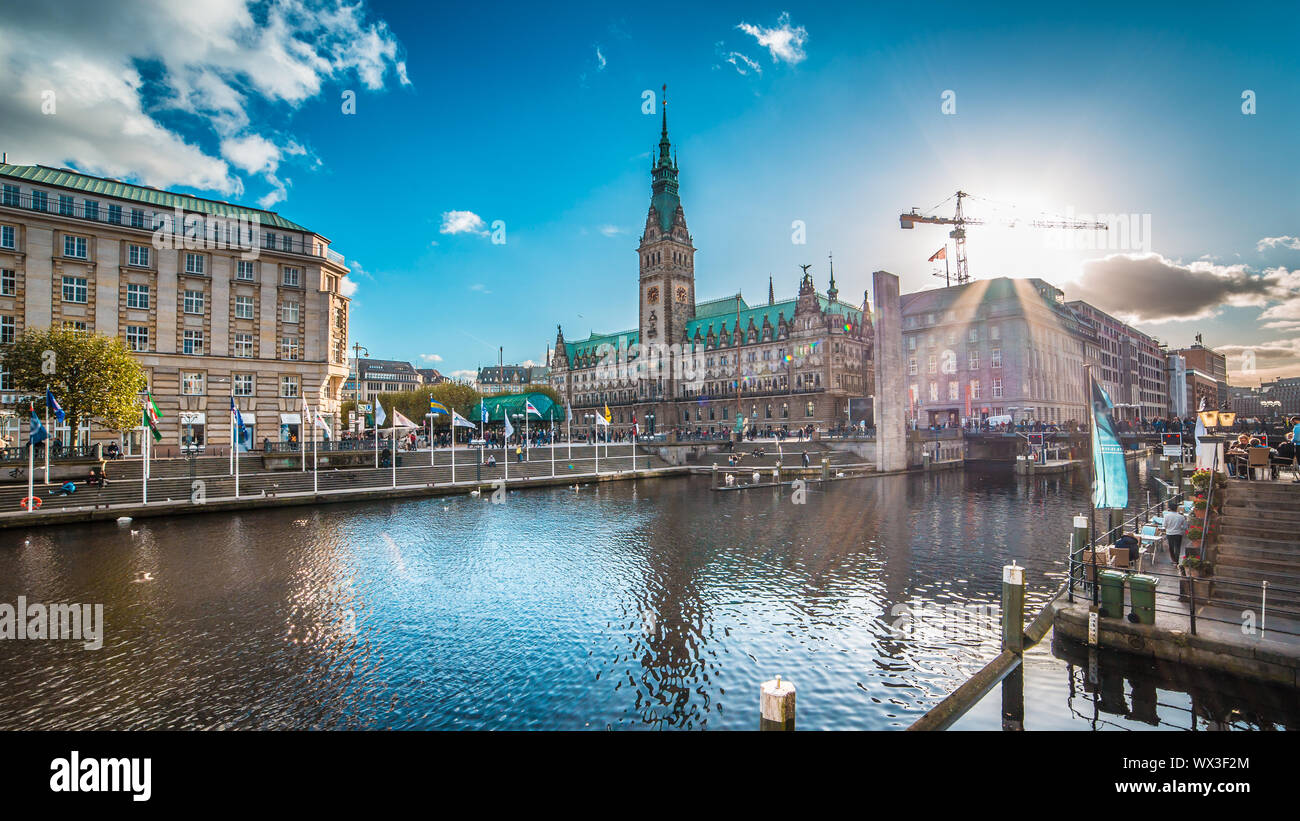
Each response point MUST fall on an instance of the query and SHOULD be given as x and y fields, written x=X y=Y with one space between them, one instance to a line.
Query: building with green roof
x=697 y=365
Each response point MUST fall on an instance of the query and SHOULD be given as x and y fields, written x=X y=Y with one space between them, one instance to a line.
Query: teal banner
x=1110 y=474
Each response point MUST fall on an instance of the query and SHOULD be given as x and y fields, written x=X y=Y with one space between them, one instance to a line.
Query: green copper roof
x=591 y=345
x=99 y=186
x=727 y=319
x=715 y=307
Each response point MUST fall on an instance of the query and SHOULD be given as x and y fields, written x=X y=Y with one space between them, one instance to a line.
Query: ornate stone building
x=696 y=366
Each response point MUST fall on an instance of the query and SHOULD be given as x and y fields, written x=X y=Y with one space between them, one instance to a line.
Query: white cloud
x=480 y=287
x=742 y=63
x=611 y=230
x=209 y=63
x=430 y=357
x=347 y=286
x=601 y=62
x=1278 y=242
x=462 y=222
x=1280 y=357
x=463 y=374
x=358 y=270
x=784 y=42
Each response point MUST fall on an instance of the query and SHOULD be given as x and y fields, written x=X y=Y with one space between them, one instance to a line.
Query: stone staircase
x=1259 y=540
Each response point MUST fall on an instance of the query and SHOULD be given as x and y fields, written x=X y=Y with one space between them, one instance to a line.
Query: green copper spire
x=664 y=198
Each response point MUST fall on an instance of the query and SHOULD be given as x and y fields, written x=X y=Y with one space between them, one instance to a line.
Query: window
x=997 y=388
x=952 y=390
x=911 y=367
x=40 y=201
x=974 y=389
x=137 y=296
x=934 y=391
x=973 y=360
x=194 y=302
x=7 y=237
x=269 y=240
x=289 y=347
x=292 y=276
x=993 y=332
x=974 y=335
x=8 y=283
x=137 y=337
x=6 y=329
x=192 y=383
x=11 y=195
x=289 y=387
x=243 y=307
x=194 y=263
x=243 y=384
x=91 y=209
x=193 y=343
x=244 y=270
x=138 y=255
x=137 y=218
x=286 y=242
x=244 y=346
x=74 y=289
x=289 y=312
x=115 y=214
x=65 y=205
x=74 y=325
x=74 y=246
x=932 y=364
x=809 y=408
x=6 y=383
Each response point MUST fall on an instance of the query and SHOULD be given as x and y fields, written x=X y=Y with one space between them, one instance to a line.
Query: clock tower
x=667 y=264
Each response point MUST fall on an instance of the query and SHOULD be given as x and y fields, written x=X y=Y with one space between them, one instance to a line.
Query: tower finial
x=832 y=292
x=771 y=291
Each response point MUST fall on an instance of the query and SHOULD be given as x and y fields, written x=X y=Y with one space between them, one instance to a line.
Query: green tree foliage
x=414 y=405
x=94 y=377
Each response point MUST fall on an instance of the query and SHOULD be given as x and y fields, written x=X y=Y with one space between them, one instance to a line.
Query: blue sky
x=826 y=114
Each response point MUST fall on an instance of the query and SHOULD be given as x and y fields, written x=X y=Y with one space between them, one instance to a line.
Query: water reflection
x=656 y=605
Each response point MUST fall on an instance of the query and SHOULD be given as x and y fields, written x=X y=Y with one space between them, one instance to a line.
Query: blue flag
x=483 y=411
x=437 y=407
x=241 y=431
x=36 y=432
x=1110 y=474
x=53 y=404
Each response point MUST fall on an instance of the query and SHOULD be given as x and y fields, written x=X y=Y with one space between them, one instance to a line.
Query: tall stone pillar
x=891 y=393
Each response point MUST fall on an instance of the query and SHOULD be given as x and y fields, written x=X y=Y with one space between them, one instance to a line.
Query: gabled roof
x=104 y=187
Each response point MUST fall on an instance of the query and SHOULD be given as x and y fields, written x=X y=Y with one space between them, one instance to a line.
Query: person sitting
x=1283 y=456
x=1237 y=456
x=492 y=460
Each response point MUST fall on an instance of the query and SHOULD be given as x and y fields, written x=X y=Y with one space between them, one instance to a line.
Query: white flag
x=322 y=424
x=400 y=420
x=601 y=420
x=460 y=421
x=380 y=416
x=510 y=429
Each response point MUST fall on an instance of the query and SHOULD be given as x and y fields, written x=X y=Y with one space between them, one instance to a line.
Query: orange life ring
x=31 y=503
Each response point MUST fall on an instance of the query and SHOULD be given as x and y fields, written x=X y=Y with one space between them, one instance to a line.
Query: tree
x=92 y=376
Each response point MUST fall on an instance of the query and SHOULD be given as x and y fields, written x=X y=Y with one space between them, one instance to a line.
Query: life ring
x=31 y=503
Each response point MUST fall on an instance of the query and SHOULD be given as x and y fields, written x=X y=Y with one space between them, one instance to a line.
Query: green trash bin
x=1112 y=593
x=1142 y=592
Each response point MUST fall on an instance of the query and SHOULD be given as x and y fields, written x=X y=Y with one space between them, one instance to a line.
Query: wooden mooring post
x=776 y=705
x=1013 y=608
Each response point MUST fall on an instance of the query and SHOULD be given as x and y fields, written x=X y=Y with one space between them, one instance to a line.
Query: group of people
x=1279 y=458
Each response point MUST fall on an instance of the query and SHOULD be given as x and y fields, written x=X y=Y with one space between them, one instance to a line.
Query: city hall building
x=217 y=301
x=695 y=366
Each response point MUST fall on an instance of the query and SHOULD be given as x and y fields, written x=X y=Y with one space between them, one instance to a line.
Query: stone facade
x=210 y=316
x=697 y=366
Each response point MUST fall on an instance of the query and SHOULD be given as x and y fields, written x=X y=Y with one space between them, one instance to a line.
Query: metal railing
x=58 y=452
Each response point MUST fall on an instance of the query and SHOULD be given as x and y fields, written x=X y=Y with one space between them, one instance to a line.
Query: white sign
x=1174 y=451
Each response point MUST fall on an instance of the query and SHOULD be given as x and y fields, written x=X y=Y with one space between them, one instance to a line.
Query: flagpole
x=552 y=441
x=233 y=427
x=145 y=436
x=568 y=429
x=452 y=430
x=392 y=438
x=315 y=462
x=47 y=435
x=237 y=465
x=376 y=418
x=31 y=464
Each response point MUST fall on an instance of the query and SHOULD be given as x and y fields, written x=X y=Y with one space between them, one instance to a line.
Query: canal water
x=658 y=604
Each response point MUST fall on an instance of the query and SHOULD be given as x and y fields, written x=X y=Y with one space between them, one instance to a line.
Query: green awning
x=499 y=406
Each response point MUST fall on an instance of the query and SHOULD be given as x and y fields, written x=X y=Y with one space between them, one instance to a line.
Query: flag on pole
x=600 y=420
x=400 y=420
x=1110 y=474
x=322 y=424
x=942 y=253
x=36 y=432
x=634 y=426
x=510 y=429
x=483 y=414
x=53 y=404
x=460 y=421
x=437 y=407
x=528 y=408
x=380 y=416
x=151 y=416
x=240 y=429
x=608 y=418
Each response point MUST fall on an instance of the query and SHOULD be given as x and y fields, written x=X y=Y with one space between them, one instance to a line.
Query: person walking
x=1175 y=525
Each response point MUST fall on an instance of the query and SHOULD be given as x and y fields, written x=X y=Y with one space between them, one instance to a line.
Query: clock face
x=652 y=295
x=681 y=293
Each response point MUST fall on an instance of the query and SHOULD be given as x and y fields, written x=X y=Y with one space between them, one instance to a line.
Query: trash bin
x=1112 y=593
x=1142 y=593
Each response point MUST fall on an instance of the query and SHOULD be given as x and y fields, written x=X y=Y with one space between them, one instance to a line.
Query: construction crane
x=959 y=221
